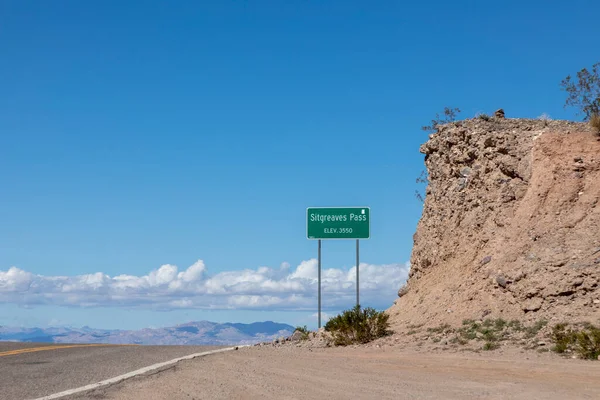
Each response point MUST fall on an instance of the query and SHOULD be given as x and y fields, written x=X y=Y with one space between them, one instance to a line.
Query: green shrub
x=358 y=326
x=499 y=324
x=489 y=335
x=458 y=340
x=516 y=325
x=584 y=91
x=469 y=334
x=562 y=337
x=535 y=328
x=490 y=346
x=440 y=329
x=588 y=343
x=585 y=341
x=304 y=330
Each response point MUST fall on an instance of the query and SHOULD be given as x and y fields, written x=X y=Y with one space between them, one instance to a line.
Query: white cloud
x=167 y=288
x=324 y=316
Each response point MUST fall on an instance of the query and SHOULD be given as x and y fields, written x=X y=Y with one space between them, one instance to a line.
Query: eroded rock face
x=510 y=223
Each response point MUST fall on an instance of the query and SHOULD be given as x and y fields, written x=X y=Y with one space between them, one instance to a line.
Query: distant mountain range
x=191 y=333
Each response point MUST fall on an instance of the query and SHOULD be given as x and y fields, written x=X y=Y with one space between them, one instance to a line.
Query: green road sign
x=338 y=222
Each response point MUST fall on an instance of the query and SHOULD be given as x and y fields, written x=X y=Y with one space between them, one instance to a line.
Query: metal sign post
x=319 y=283
x=357 y=264
x=338 y=223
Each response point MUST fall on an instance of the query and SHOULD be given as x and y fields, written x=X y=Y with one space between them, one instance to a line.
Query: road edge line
x=138 y=372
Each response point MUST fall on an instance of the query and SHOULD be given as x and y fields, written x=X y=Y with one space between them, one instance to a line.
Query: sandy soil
x=365 y=373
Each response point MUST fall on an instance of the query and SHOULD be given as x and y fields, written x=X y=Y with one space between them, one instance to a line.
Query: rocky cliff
x=510 y=225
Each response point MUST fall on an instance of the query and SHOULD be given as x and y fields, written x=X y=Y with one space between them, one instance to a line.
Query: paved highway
x=33 y=370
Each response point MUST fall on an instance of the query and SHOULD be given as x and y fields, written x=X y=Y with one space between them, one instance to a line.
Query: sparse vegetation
x=544 y=117
x=490 y=346
x=483 y=116
x=449 y=116
x=424 y=180
x=440 y=329
x=516 y=325
x=304 y=330
x=499 y=324
x=585 y=341
x=584 y=91
x=535 y=328
x=358 y=325
x=491 y=332
x=458 y=340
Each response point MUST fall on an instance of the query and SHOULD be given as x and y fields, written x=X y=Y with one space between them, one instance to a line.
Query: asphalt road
x=32 y=370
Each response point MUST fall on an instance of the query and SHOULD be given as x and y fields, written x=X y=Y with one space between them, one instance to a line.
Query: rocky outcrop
x=510 y=225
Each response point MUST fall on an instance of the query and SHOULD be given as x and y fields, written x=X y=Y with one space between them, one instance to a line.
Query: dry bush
x=358 y=326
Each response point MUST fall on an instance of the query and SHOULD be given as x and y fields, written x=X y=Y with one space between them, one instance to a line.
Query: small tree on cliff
x=449 y=116
x=584 y=92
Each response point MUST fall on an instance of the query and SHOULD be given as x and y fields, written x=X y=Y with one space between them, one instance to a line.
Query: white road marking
x=128 y=375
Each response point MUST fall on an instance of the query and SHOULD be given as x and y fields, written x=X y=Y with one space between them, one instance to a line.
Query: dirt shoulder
x=365 y=373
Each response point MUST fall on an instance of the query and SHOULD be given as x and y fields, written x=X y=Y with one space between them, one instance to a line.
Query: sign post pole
x=357 y=264
x=319 y=267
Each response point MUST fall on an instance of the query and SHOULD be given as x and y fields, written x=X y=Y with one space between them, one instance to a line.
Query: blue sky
x=140 y=134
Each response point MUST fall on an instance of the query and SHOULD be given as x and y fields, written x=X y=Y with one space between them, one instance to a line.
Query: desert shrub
x=488 y=322
x=588 y=343
x=489 y=335
x=469 y=334
x=533 y=330
x=304 y=330
x=483 y=116
x=490 y=346
x=490 y=330
x=358 y=325
x=449 y=116
x=562 y=337
x=440 y=329
x=499 y=324
x=458 y=340
x=585 y=341
x=543 y=350
x=516 y=325
x=544 y=117
x=422 y=179
x=583 y=92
